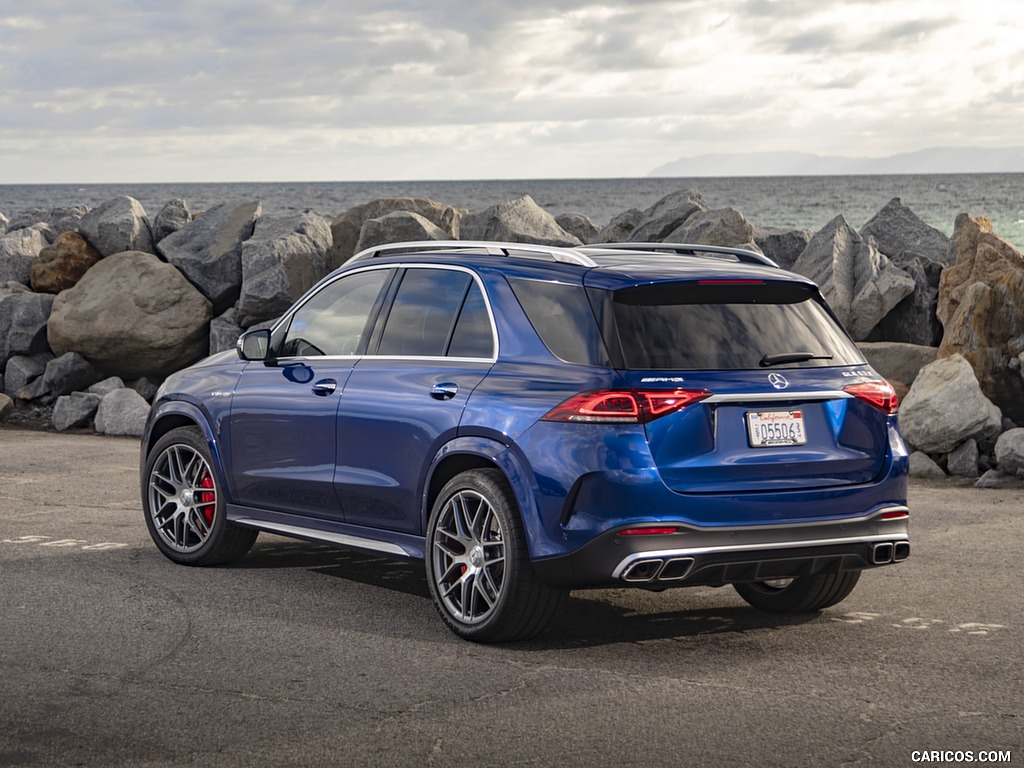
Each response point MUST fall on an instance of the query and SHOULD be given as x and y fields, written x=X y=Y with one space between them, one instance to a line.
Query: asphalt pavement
x=305 y=655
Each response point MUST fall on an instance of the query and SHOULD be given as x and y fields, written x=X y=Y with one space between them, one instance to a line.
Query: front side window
x=335 y=320
x=437 y=313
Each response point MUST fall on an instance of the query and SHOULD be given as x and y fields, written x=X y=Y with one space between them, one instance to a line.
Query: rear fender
x=496 y=454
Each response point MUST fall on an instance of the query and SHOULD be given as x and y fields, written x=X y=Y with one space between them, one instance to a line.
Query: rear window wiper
x=791 y=357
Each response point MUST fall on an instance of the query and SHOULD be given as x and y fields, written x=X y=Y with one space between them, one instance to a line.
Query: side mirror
x=254 y=345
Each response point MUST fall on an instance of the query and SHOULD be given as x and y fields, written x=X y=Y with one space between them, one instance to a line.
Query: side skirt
x=382 y=542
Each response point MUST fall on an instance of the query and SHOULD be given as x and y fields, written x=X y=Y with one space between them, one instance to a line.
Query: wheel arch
x=466 y=453
x=180 y=413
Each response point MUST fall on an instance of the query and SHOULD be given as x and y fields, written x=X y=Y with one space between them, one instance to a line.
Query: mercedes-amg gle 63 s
x=528 y=420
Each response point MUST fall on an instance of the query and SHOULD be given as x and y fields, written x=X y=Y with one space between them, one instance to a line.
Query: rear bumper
x=695 y=555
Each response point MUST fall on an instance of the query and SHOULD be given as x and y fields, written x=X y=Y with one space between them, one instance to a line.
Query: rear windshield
x=724 y=326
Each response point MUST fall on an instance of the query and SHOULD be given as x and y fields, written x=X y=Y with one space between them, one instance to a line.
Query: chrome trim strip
x=334 y=538
x=768 y=397
x=694 y=551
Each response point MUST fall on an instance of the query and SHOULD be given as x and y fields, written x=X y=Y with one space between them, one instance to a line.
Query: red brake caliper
x=207 y=499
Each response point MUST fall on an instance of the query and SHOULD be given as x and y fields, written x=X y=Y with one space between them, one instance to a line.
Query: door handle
x=444 y=391
x=325 y=387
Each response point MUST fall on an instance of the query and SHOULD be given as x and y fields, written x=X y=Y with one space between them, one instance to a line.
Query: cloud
x=559 y=87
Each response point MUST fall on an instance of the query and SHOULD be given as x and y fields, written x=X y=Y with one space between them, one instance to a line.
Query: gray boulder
x=921 y=465
x=655 y=224
x=3 y=223
x=108 y=384
x=516 y=221
x=6 y=406
x=621 y=228
x=579 y=225
x=281 y=261
x=23 y=319
x=1010 y=451
x=147 y=389
x=398 y=227
x=897 y=229
x=963 y=460
x=945 y=407
x=57 y=220
x=224 y=331
x=347 y=226
x=132 y=315
x=913 y=320
x=723 y=226
x=208 y=250
x=18 y=249
x=994 y=478
x=783 y=246
x=859 y=283
x=896 y=361
x=69 y=373
x=172 y=217
x=117 y=225
x=22 y=370
x=122 y=412
x=75 y=410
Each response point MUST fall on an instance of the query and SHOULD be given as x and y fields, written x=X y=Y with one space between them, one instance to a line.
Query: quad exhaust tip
x=890 y=552
x=658 y=569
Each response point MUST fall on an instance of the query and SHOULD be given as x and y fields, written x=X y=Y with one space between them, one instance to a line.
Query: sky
x=271 y=90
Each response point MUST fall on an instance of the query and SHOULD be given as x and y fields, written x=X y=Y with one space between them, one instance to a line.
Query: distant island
x=933 y=160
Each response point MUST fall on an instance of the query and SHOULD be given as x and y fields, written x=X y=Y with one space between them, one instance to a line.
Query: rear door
x=775 y=365
x=405 y=398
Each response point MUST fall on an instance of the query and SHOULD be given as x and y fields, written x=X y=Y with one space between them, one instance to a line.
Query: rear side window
x=562 y=316
x=695 y=326
x=436 y=313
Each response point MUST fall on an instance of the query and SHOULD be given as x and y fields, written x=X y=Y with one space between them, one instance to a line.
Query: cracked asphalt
x=304 y=655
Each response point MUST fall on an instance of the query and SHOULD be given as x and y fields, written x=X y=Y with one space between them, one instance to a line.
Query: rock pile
x=92 y=299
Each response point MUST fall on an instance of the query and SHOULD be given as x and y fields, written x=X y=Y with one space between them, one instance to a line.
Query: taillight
x=878 y=394
x=648 y=531
x=624 y=406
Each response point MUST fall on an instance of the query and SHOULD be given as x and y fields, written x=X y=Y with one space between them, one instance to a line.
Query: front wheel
x=799 y=595
x=478 y=566
x=185 y=509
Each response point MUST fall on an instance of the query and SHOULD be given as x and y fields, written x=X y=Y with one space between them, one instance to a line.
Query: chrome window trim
x=286 y=318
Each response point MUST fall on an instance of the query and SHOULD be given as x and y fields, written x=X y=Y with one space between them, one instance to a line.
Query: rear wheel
x=799 y=595
x=478 y=566
x=185 y=508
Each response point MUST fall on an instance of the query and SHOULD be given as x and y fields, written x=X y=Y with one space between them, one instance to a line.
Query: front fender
x=517 y=473
x=169 y=414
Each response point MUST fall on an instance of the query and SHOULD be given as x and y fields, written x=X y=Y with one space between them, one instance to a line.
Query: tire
x=799 y=595
x=478 y=567
x=184 y=505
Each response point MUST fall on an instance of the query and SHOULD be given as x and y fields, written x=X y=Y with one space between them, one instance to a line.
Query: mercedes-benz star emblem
x=777 y=380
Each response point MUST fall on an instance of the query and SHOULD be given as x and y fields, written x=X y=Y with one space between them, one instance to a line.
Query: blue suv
x=529 y=420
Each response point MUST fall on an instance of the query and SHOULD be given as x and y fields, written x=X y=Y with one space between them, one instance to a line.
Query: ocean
x=804 y=202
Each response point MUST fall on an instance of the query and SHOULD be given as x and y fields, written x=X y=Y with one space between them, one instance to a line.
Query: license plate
x=771 y=428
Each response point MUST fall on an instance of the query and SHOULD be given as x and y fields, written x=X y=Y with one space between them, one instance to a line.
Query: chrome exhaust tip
x=642 y=570
x=901 y=551
x=676 y=568
x=882 y=553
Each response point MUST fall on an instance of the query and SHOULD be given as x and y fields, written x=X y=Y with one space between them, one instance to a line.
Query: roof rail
x=564 y=255
x=689 y=249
